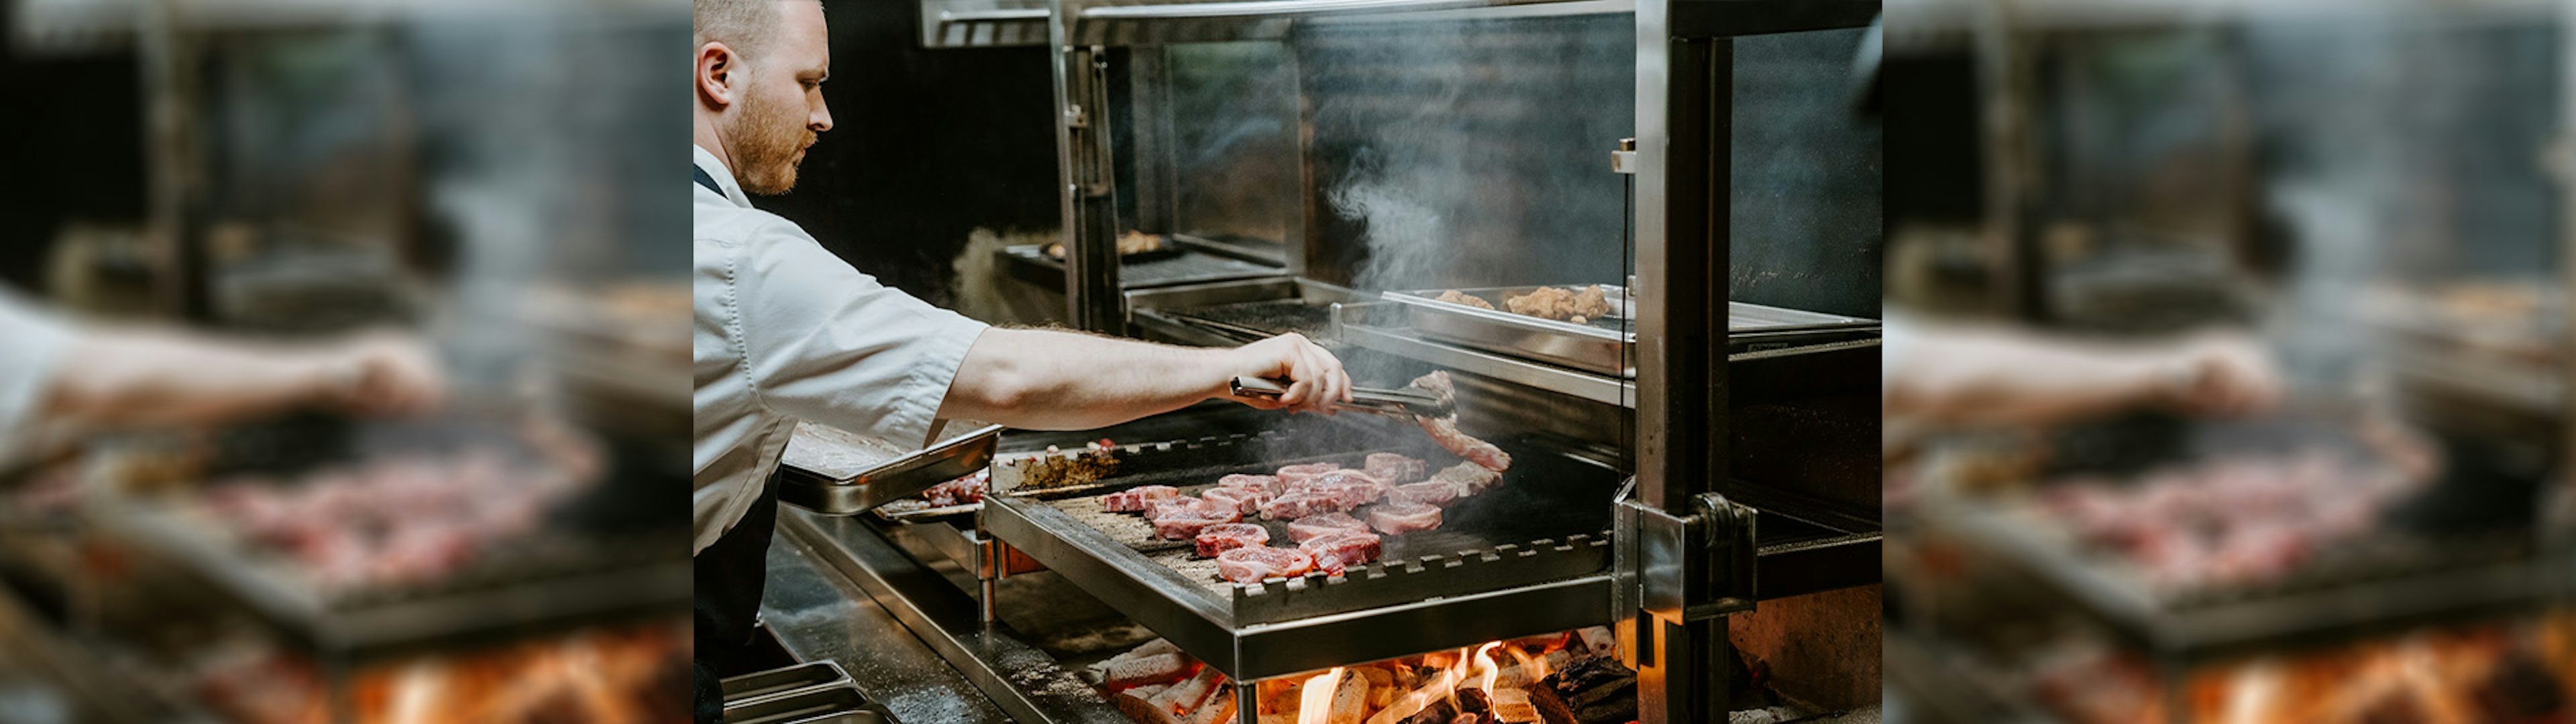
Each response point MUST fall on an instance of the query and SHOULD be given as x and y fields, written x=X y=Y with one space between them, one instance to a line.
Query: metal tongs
x=1404 y=403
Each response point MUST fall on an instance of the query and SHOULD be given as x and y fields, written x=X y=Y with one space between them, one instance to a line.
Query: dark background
x=926 y=146
x=74 y=135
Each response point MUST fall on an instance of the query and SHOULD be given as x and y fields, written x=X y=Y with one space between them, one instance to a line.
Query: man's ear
x=717 y=66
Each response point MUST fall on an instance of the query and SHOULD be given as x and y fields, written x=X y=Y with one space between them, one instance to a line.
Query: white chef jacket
x=786 y=331
x=32 y=346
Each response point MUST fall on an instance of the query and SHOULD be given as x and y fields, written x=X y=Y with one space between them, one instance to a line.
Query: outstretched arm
x=118 y=377
x=1058 y=380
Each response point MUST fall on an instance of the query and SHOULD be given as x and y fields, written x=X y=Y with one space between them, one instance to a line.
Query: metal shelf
x=1361 y=325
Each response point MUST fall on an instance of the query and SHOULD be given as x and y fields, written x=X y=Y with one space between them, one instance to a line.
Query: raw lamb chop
x=1290 y=475
x=1242 y=500
x=1313 y=526
x=1268 y=484
x=1134 y=500
x=1395 y=469
x=1340 y=549
x=1444 y=430
x=1183 y=521
x=1429 y=492
x=1217 y=539
x=1351 y=488
x=1469 y=477
x=1398 y=518
x=1299 y=504
x=1251 y=564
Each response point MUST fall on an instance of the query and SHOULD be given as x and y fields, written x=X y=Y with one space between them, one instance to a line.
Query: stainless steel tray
x=740 y=690
x=823 y=480
x=1602 y=346
x=835 y=704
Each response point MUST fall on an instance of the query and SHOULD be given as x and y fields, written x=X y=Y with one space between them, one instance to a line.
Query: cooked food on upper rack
x=1454 y=296
x=1130 y=243
x=1444 y=430
x=1564 y=304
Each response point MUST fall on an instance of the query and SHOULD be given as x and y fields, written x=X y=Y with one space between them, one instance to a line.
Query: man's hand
x=1315 y=376
x=2222 y=374
x=381 y=374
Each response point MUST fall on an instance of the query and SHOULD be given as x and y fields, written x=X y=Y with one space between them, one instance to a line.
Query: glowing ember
x=1315 y=700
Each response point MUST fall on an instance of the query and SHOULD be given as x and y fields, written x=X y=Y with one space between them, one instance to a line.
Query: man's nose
x=822 y=119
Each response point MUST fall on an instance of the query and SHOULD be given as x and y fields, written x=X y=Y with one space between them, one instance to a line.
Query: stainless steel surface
x=982 y=23
x=1601 y=347
x=1177 y=268
x=1363 y=324
x=1126 y=23
x=818 y=614
x=763 y=684
x=1270 y=286
x=1086 y=172
x=1003 y=670
x=1378 y=401
x=829 y=493
x=822 y=704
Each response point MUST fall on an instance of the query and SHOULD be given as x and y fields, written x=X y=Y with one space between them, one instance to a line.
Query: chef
x=63 y=376
x=787 y=331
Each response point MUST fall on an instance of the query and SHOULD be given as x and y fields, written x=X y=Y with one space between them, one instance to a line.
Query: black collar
x=705 y=180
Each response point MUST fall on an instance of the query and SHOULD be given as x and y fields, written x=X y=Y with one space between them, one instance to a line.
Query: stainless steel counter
x=820 y=615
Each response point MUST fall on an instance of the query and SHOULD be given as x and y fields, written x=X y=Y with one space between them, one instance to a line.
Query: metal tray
x=1603 y=346
x=740 y=690
x=834 y=704
x=835 y=490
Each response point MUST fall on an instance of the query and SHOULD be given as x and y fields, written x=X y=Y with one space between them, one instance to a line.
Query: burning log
x=1591 y=691
x=1439 y=712
x=1474 y=701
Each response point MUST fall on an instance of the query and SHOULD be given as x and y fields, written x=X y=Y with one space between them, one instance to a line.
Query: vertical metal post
x=174 y=224
x=1086 y=177
x=1247 y=702
x=1684 y=108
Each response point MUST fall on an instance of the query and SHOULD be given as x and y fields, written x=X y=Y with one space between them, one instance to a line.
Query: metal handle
x=1398 y=403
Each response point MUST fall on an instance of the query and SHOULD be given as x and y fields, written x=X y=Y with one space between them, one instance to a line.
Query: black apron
x=729 y=575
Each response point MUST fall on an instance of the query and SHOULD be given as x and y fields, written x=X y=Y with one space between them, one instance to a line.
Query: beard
x=766 y=138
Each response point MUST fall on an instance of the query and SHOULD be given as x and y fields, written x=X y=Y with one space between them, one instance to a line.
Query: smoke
x=1466 y=154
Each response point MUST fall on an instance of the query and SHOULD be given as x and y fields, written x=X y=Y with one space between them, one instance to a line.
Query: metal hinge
x=1684 y=568
x=1624 y=160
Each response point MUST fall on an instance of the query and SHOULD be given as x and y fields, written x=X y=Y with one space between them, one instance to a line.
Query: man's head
x=758 y=78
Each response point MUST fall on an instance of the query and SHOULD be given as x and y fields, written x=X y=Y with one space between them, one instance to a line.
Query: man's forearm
x=126 y=377
x=1057 y=380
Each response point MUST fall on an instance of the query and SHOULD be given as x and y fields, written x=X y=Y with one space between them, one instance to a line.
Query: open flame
x=1533 y=668
x=1485 y=661
x=1315 y=699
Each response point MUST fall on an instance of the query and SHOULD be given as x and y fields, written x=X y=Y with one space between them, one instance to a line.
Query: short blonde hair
x=743 y=25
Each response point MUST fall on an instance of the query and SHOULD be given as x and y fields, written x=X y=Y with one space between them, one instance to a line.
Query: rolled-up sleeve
x=834 y=346
x=32 y=346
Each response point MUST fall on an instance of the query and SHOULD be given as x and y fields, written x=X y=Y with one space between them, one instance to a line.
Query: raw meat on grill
x=1395 y=469
x=1268 y=484
x=1340 y=549
x=1184 y=520
x=1444 y=430
x=1399 y=517
x=1301 y=503
x=1350 y=488
x=1217 y=539
x=1309 y=527
x=1242 y=500
x=1251 y=564
x=1470 y=478
x=1429 y=492
x=1136 y=499
x=968 y=489
x=1289 y=476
